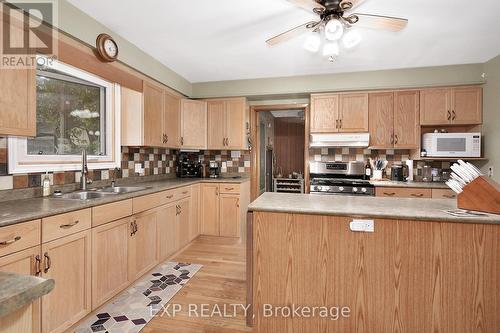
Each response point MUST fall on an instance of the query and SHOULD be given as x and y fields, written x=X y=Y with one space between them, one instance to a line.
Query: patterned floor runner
x=136 y=306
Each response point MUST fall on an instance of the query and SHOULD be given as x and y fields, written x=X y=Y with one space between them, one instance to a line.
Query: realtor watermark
x=266 y=311
x=26 y=30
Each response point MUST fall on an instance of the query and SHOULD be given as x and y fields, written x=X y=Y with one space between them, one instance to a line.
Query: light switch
x=362 y=225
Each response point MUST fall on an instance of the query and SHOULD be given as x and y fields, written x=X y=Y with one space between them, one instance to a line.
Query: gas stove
x=339 y=178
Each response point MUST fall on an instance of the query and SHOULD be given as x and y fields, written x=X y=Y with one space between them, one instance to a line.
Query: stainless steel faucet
x=84 y=180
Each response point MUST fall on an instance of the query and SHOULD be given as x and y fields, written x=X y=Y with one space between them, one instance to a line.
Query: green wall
x=399 y=78
x=78 y=24
x=491 y=117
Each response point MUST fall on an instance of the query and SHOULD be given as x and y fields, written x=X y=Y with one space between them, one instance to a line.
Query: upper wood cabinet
x=394 y=119
x=353 y=113
x=227 y=122
x=345 y=113
x=150 y=118
x=193 y=124
x=451 y=106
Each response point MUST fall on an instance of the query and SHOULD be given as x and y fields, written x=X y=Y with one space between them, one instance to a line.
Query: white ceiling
x=225 y=39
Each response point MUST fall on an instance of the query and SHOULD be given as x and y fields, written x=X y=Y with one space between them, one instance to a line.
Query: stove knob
x=363 y=190
x=341 y=188
x=355 y=189
x=319 y=188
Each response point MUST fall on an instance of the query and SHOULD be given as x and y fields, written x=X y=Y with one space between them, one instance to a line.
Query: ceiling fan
x=335 y=16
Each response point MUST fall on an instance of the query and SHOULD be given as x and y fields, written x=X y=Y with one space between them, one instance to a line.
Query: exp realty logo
x=26 y=30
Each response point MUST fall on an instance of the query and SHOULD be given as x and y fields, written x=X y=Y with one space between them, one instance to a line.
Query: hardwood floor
x=220 y=282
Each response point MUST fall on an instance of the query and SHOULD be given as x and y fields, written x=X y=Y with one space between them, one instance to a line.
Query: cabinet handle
x=238 y=202
x=182 y=140
x=136 y=227
x=69 y=225
x=417 y=195
x=229 y=188
x=389 y=194
x=223 y=141
x=132 y=228
x=48 y=262
x=227 y=141
x=454 y=115
x=11 y=240
x=340 y=123
x=449 y=115
x=166 y=138
x=169 y=196
x=396 y=139
x=185 y=192
x=337 y=123
x=449 y=196
x=217 y=191
x=38 y=265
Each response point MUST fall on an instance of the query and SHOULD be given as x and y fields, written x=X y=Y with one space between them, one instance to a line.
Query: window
x=75 y=110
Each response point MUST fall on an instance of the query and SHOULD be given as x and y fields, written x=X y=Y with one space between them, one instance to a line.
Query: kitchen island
x=420 y=270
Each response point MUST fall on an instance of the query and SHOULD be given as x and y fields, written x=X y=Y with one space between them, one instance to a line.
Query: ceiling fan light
x=334 y=30
x=312 y=43
x=331 y=49
x=351 y=39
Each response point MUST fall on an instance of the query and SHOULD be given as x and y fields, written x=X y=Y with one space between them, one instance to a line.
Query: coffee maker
x=214 y=169
x=399 y=172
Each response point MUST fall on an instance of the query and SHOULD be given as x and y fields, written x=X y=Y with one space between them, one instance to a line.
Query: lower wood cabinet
x=167 y=235
x=142 y=253
x=183 y=221
x=194 y=225
x=109 y=260
x=229 y=223
x=210 y=209
x=68 y=261
x=27 y=318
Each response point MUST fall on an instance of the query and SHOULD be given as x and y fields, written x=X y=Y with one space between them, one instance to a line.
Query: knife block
x=481 y=195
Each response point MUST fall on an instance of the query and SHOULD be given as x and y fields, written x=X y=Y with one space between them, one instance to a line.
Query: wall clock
x=107 y=49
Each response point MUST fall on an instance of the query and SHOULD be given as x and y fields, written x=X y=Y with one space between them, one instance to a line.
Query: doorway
x=281 y=138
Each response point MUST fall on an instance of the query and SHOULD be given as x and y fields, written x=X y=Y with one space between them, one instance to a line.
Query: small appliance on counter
x=399 y=172
x=214 y=169
x=187 y=166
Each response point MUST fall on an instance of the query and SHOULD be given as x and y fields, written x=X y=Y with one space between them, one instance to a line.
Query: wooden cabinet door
x=183 y=221
x=18 y=92
x=193 y=124
x=467 y=105
x=435 y=106
x=142 y=245
x=153 y=115
x=216 y=115
x=168 y=242
x=172 y=120
x=194 y=225
x=353 y=113
x=324 y=113
x=27 y=318
x=109 y=260
x=381 y=119
x=210 y=209
x=229 y=220
x=236 y=123
x=68 y=261
x=406 y=120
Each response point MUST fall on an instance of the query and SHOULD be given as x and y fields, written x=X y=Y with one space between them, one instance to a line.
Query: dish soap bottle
x=46 y=185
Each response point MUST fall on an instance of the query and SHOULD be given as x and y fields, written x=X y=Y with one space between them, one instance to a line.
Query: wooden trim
x=249 y=270
x=255 y=158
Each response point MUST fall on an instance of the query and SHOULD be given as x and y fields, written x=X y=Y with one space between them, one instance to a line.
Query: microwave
x=452 y=144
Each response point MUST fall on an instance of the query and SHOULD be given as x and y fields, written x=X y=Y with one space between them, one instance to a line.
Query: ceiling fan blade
x=309 y=26
x=308 y=4
x=377 y=22
x=350 y=4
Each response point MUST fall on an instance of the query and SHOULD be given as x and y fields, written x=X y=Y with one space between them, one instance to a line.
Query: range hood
x=329 y=140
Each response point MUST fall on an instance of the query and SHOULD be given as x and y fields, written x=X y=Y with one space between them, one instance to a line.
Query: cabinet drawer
x=147 y=202
x=20 y=236
x=65 y=224
x=182 y=192
x=443 y=193
x=168 y=197
x=399 y=192
x=111 y=212
x=229 y=188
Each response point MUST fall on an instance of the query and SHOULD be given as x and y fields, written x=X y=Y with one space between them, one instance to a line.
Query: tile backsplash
x=153 y=161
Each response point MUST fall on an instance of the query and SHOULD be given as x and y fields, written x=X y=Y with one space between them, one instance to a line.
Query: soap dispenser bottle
x=46 y=185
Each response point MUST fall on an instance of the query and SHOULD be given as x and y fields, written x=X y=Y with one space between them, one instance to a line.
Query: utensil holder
x=377 y=175
x=481 y=195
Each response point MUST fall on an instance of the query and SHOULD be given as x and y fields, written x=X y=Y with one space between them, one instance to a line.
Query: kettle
x=399 y=172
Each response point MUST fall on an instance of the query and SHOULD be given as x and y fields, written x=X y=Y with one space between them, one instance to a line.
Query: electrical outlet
x=490 y=171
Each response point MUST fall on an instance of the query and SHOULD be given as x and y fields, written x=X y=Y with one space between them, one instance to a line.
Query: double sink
x=100 y=193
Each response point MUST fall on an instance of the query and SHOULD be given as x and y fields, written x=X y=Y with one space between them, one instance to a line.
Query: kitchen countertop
x=391 y=183
x=19 y=290
x=365 y=207
x=12 y=212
